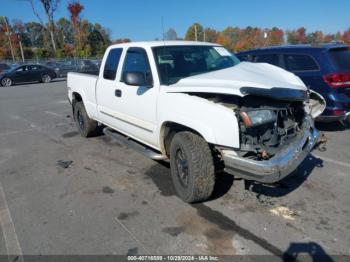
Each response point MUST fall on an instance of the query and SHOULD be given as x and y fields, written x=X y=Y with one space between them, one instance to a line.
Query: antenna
x=166 y=69
x=163 y=28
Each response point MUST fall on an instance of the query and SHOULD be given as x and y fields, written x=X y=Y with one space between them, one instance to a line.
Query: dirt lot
x=64 y=194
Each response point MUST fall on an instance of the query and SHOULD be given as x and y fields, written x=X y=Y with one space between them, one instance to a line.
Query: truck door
x=138 y=103
x=130 y=109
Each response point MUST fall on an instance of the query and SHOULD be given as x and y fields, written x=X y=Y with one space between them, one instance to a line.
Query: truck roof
x=163 y=43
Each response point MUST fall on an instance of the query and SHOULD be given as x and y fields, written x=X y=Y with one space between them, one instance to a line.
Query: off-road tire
x=201 y=171
x=86 y=126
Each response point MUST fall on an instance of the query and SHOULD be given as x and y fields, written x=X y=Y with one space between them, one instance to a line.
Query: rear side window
x=112 y=62
x=300 y=63
x=248 y=58
x=21 y=69
x=341 y=58
x=34 y=68
x=272 y=59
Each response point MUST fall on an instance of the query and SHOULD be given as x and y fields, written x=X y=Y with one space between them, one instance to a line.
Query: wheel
x=192 y=167
x=6 y=81
x=46 y=79
x=86 y=126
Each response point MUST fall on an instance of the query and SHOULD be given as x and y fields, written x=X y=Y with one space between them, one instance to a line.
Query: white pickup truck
x=197 y=105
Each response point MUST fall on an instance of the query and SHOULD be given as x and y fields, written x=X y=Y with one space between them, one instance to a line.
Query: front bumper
x=277 y=167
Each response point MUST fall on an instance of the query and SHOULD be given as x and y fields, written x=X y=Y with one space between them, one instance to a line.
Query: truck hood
x=236 y=80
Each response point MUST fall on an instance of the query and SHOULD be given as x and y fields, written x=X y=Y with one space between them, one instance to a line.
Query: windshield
x=341 y=57
x=177 y=62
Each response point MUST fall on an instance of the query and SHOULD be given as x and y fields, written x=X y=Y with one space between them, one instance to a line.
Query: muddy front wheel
x=192 y=167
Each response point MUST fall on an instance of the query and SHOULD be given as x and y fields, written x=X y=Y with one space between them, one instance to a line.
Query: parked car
x=87 y=67
x=4 y=68
x=197 y=105
x=27 y=73
x=52 y=64
x=62 y=68
x=324 y=68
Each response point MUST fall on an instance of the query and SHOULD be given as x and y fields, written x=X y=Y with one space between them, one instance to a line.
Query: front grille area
x=271 y=137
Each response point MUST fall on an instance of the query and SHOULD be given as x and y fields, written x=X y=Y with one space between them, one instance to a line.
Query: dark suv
x=323 y=68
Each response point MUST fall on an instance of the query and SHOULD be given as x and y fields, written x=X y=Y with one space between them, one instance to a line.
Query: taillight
x=338 y=112
x=338 y=80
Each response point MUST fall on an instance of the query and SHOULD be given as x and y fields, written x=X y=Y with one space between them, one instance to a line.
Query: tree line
x=238 y=39
x=73 y=37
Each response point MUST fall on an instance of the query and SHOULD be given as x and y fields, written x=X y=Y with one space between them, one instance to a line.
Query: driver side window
x=136 y=61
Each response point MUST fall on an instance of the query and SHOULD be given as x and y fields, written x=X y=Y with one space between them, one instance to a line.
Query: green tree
x=64 y=32
x=35 y=33
x=338 y=37
x=194 y=32
x=98 y=40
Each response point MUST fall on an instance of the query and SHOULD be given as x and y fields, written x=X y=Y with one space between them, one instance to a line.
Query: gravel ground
x=63 y=194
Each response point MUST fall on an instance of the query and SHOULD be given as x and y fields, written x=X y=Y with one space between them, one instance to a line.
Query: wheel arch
x=167 y=131
x=76 y=97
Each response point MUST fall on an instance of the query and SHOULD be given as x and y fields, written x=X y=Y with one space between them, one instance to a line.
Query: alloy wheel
x=6 y=82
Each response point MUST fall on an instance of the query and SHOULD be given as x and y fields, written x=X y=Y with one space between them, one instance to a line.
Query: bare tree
x=50 y=7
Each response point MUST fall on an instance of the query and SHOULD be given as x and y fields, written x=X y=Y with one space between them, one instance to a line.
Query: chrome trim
x=279 y=166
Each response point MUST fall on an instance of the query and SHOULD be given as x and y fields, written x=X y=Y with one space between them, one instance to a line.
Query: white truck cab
x=198 y=105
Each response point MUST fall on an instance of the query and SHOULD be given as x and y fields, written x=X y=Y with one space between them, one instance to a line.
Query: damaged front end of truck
x=276 y=131
x=275 y=115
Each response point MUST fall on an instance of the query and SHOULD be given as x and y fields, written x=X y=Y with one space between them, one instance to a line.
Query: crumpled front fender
x=315 y=105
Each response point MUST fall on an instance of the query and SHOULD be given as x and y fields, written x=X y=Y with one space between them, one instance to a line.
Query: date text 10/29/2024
x=172 y=258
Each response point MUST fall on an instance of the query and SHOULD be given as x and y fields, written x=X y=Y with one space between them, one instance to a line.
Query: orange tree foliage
x=346 y=36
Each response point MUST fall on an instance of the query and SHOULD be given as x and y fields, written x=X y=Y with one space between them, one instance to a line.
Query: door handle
x=118 y=93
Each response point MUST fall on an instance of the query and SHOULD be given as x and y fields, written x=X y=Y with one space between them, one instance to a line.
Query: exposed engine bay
x=264 y=139
x=266 y=124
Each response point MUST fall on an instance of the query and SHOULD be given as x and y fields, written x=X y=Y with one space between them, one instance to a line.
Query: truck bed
x=84 y=85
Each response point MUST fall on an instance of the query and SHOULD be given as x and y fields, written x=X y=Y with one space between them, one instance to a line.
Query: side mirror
x=137 y=79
